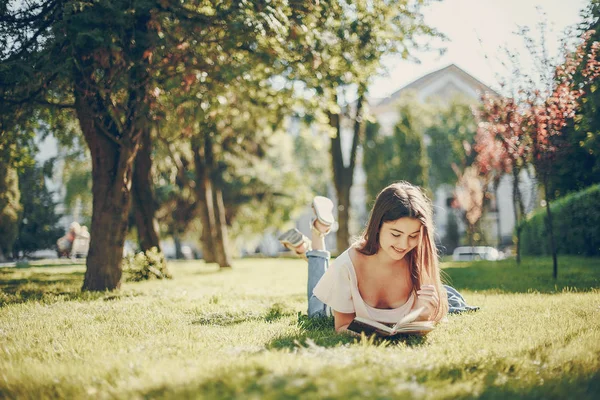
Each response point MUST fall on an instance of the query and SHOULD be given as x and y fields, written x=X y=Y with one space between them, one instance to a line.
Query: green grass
x=243 y=333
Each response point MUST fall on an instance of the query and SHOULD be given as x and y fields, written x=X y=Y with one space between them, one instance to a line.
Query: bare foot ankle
x=300 y=250
x=321 y=227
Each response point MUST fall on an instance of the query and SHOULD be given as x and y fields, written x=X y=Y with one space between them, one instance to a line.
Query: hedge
x=576 y=223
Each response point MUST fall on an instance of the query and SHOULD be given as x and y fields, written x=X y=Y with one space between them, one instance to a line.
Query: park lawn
x=238 y=333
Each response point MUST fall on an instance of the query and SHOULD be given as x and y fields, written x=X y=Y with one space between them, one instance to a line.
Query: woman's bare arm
x=342 y=320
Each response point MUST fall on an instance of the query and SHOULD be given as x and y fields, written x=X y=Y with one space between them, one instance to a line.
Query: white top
x=338 y=288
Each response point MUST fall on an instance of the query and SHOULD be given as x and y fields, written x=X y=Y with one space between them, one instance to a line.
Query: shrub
x=576 y=222
x=145 y=265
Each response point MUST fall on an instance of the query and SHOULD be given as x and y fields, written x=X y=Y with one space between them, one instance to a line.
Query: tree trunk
x=498 y=227
x=218 y=224
x=205 y=201
x=471 y=234
x=215 y=242
x=343 y=233
x=343 y=176
x=517 y=207
x=550 y=229
x=143 y=197
x=10 y=210
x=178 y=252
x=222 y=241
x=112 y=168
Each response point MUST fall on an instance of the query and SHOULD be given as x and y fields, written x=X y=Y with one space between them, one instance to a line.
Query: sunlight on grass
x=244 y=333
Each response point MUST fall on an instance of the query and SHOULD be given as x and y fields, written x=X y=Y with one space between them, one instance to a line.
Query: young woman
x=392 y=269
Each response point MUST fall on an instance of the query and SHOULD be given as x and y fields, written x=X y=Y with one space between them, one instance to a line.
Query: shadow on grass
x=56 y=264
x=42 y=287
x=532 y=275
x=321 y=332
x=228 y=318
x=581 y=386
x=208 y=271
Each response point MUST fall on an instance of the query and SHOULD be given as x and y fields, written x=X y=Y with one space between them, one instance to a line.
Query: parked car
x=473 y=253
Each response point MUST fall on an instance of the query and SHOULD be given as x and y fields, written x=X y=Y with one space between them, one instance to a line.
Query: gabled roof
x=431 y=77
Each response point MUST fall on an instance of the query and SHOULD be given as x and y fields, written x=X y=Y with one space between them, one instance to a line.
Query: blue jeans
x=457 y=303
x=318 y=262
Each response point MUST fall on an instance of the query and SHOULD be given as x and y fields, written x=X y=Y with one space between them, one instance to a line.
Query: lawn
x=243 y=333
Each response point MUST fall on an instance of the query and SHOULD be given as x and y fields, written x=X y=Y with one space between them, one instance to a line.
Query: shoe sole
x=293 y=237
x=324 y=210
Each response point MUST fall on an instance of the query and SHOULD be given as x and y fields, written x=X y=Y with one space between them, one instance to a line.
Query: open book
x=406 y=325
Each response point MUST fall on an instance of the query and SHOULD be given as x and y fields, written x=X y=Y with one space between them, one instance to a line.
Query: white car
x=472 y=253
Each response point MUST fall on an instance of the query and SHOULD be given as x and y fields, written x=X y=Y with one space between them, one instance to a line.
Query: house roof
x=431 y=77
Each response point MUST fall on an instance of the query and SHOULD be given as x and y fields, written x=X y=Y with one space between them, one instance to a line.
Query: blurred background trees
x=401 y=156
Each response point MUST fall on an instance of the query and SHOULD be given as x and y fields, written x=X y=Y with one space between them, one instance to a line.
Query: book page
x=416 y=327
x=374 y=324
x=410 y=317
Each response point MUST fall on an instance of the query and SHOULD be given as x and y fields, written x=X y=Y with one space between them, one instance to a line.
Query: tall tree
x=341 y=51
x=230 y=105
x=103 y=74
x=548 y=112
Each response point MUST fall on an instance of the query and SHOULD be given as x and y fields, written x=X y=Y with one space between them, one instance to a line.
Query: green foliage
x=77 y=180
x=411 y=154
x=238 y=334
x=452 y=134
x=38 y=225
x=266 y=193
x=313 y=160
x=577 y=163
x=375 y=157
x=576 y=218
x=145 y=265
x=401 y=156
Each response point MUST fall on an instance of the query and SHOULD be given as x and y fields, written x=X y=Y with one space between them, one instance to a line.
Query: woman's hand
x=427 y=298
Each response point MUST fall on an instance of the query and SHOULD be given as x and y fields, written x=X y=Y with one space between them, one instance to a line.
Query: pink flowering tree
x=501 y=146
x=547 y=113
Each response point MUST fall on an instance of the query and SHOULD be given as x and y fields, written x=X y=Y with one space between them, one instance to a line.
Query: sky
x=476 y=28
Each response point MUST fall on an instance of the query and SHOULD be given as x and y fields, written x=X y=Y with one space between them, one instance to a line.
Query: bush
x=144 y=266
x=576 y=222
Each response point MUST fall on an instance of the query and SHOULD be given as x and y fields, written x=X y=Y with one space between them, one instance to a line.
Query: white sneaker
x=323 y=210
x=295 y=240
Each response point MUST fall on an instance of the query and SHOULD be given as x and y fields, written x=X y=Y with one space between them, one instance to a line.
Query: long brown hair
x=398 y=200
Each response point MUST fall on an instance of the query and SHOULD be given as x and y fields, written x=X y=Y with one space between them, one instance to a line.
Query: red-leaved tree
x=501 y=146
x=547 y=112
